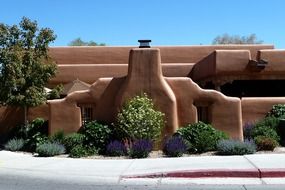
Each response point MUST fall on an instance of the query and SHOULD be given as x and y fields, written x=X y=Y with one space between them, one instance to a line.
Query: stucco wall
x=120 y=55
x=91 y=63
x=89 y=73
x=13 y=116
x=254 y=109
x=174 y=96
x=235 y=65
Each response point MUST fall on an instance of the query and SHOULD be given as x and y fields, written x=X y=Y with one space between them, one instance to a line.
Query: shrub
x=116 y=148
x=96 y=135
x=247 y=131
x=235 y=147
x=33 y=133
x=57 y=137
x=140 y=149
x=82 y=151
x=203 y=137
x=73 y=140
x=265 y=143
x=277 y=111
x=267 y=128
x=78 y=151
x=271 y=122
x=14 y=144
x=139 y=120
x=50 y=149
x=175 y=146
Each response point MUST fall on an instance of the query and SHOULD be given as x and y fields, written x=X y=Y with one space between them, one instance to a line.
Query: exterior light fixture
x=144 y=43
x=258 y=65
x=262 y=63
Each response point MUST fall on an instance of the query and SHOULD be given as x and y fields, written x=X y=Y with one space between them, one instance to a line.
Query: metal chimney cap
x=144 y=43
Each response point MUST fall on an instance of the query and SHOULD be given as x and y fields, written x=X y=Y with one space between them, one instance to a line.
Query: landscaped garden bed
x=138 y=130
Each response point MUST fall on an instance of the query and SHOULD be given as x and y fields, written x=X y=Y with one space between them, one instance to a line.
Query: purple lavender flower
x=175 y=146
x=116 y=148
x=247 y=130
x=141 y=149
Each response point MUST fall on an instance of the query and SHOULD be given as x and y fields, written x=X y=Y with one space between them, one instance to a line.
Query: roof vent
x=144 y=43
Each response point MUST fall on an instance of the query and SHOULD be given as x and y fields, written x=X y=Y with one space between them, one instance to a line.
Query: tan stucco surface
x=174 y=96
x=89 y=73
x=256 y=108
x=234 y=65
x=120 y=55
x=91 y=63
x=14 y=116
x=168 y=75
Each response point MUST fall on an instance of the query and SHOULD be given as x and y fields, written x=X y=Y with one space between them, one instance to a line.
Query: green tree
x=25 y=66
x=55 y=92
x=79 y=42
x=236 y=39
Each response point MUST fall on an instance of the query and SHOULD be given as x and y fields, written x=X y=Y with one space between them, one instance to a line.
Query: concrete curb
x=234 y=173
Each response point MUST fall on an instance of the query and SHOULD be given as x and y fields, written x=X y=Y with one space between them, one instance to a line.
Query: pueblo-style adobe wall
x=226 y=85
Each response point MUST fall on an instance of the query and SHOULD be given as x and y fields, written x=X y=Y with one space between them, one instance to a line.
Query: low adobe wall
x=11 y=117
x=254 y=109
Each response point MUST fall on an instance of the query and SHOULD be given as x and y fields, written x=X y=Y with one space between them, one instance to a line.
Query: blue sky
x=165 y=22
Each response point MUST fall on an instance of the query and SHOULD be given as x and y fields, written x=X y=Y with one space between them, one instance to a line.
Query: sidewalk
x=242 y=170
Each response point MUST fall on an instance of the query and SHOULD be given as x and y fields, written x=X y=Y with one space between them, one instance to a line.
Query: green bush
x=139 y=120
x=73 y=140
x=267 y=127
x=82 y=151
x=234 y=147
x=201 y=137
x=78 y=151
x=50 y=149
x=57 y=137
x=265 y=143
x=33 y=133
x=96 y=135
x=15 y=144
x=271 y=122
x=277 y=111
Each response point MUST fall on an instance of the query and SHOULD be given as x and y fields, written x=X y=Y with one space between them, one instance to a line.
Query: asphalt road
x=16 y=182
x=19 y=171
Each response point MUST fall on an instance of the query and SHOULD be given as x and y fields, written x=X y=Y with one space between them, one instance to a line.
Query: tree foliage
x=25 y=66
x=139 y=119
x=236 y=39
x=55 y=92
x=79 y=42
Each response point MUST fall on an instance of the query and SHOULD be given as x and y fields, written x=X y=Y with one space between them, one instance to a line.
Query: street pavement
x=259 y=171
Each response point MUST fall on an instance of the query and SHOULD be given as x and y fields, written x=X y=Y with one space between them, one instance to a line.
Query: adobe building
x=225 y=85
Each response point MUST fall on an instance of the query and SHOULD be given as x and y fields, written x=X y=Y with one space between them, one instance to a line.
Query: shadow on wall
x=10 y=117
